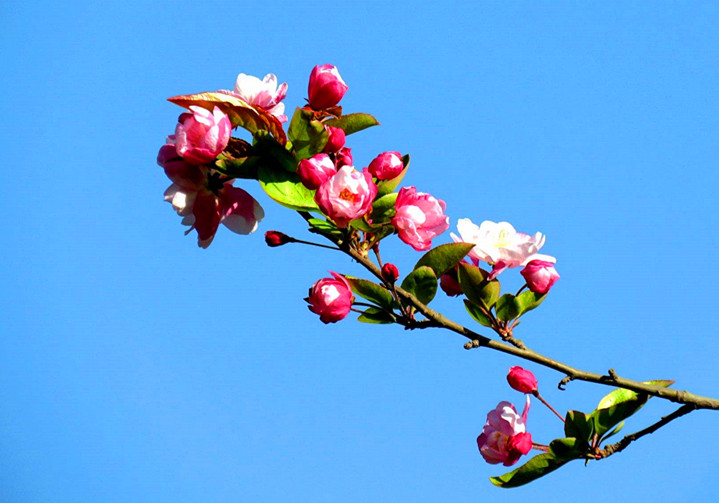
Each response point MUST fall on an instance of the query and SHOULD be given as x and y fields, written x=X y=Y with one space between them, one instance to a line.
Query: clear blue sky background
x=136 y=367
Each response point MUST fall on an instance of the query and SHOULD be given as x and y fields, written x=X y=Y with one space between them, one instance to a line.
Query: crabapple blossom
x=200 y=136
x=263 y=93
x=343 y=157
x=390 y=273
x=498 y=244
x=522 y=380
x=336 y=139
x=326 y=87
x=539 y=274
x=276 y=238
x=504 y=438
x=331 y=298
x=386 y=166
x=419 y=218
x=316 y=170
x=347 y=195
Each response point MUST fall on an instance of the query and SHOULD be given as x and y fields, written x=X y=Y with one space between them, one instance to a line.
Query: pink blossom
x=331 y=298
x=386 y=166
x=336 y=139
x=540 y=275
x=343 y=157
x=316 y=170
x=390 y=273
x=263 y=93
x=504 y=438
x=498 y=244
x=204 y=202
x=326 y=87
x=347 y=195
x=202 y=135
x=420 y=217
x=522 y=380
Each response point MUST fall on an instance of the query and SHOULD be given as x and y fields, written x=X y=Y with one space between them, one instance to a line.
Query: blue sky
x=137 y=367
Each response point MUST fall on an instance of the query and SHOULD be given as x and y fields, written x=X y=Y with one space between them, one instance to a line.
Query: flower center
x=348 y=195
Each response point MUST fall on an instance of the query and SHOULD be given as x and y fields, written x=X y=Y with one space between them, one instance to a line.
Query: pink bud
x=344 y=157
x=336 y=139
x=276 y=238
x=522 y=380
x=420 y=217
x=449 y=283
x=315 y=170
x=201 y=136
x=390 y=273
x=540 y=275
x=346 y=196
x=386 y=166
x=331 y=298
x=326 y=87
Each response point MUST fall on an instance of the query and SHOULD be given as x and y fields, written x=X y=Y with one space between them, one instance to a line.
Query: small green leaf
x=422 y=283
x=324 y=227
x=286 y=189
x=361 y=225
x=621 y=394
x=388 y=186
x=578 y=425
x=507 y=308
x=376 y=315
x=308 y=136
x=444 y=257
x=537 y=467
x=475 y=286
x=526 y=301
x=477 y=314
x=371 y=291
x=352 y=123
x=616 y=430
x=383 y=209
x=566 y=448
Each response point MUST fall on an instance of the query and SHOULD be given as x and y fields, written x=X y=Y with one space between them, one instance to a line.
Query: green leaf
x=567 y=448
x=352 y=123
x=507 y=308
x=475 y=286
x=533 y=469
x=240 y=113
x=578 y=425
x=286 y=189
x=621 y=394
x=371 y=291
x=389 y=186
x=308 y=135
x=324 y=227
x=376 y=315
x=616 y=430
x=526 y=301
x=361 y=225
x=383 y=209
x=422 y=283
x=444 y=257
x=477 y=314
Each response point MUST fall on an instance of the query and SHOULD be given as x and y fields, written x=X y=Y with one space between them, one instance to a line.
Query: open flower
x=347 y=195
x=498 y=244
x=202 y=135
x=204 y=202
x=331 y=298
x=263 y=93
x=419 y=218
x=504 y=438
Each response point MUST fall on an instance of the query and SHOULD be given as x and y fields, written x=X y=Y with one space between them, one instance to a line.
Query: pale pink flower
x=386 y=166
x=202 y=135
x=522 y=380
x=347 y=195
x=326 y=87
x=504 y=438
x=539 y=274
x=498 y=244
x=316 y=170
x=203 y=202
x=331 y=298
x=419 y=218
x=263 y=93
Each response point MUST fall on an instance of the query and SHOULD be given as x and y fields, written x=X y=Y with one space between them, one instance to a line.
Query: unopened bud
x=390 y=273
x=276 y=238
x=522 y=380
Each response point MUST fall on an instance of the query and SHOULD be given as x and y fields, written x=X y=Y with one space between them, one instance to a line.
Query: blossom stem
x=540 y=447
x=541 y=399
x=293 y=240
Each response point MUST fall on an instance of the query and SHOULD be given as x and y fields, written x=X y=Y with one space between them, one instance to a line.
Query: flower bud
x=346 y=196
x=315 y=170
x=336 y=139
x=540 y=275
x=331 y=298
x=420 y=217
x=202 y=135
x=344 y=157
x=522 y=380
x=390 y=273
x=386 y=166
x=276 y=238
x=326 y=87
x=449 y=283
